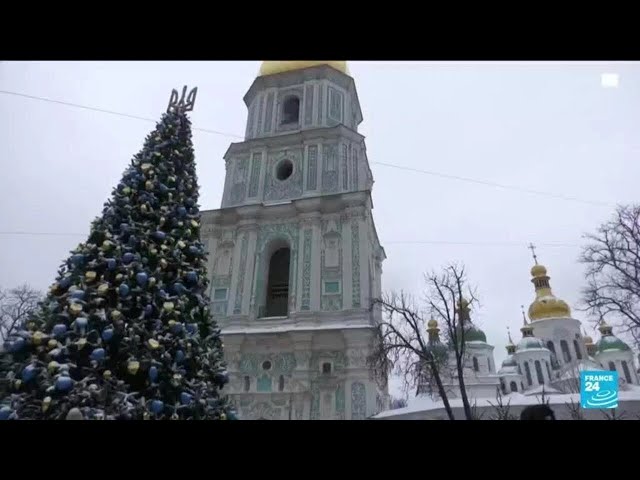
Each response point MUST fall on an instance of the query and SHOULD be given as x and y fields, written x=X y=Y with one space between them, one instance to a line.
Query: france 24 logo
x=599 y=389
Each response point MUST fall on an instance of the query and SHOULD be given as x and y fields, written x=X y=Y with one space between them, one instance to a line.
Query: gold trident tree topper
x=184 y=103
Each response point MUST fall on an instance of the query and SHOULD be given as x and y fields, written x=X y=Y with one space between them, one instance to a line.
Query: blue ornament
x=5 y=413
x=179 y=356
x=142 y=278
x=182 y=212
x=64 y=283
x=176 y=328
x=111 y=263
x=64 y=383
x=153 y=373
x=123 y=290
x=128 y=257
x=59 y=329
x=192 y=328
x=162 y=293
x=28 y=373
x=157 y=324
x=159 y=235
x=107 y=334
x=178 y=288
x=157 y=406
x=194 y=250
x=192 y=277
x=163 y=188
x=148 y=310
x=77 y=259
x=98 y=354
x=81 y=322
x=78 y=294
x=186 y=398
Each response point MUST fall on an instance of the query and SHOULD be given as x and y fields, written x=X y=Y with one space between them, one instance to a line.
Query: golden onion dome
x=587 y=340
x=546 y=304
x=432 y=323
x=273 y=67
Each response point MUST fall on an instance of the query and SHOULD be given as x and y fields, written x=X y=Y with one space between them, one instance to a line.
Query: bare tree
x=446 y=299
x=403 y=347
x=15 y=306
x=612 y=258
x=502 y=411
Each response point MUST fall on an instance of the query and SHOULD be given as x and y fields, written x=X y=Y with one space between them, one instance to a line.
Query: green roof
x=611 y=342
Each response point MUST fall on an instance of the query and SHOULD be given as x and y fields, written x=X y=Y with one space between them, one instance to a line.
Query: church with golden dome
x=547 y=359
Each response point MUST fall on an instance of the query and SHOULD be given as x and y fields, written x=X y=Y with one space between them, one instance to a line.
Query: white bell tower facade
x=294 y=257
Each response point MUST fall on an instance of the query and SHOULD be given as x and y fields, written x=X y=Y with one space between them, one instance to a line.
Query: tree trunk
x=442 y=392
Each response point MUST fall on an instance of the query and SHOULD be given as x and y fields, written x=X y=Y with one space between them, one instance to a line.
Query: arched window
x=566 y=354
x=291 y=110
x=548 y=369
x=551 y=347
x=502 y=386
x=627 y=373
x=326 y=368
x=519 y=370
x=514 y=386
x=281 y=383
x=612 y=366
x=278 y=284
x=539 y=372
x=476 y=367
x=247 y=384
x=527 y=370
x=576 y=345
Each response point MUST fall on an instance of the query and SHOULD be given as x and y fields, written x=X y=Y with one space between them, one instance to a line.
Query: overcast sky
x=548 y=127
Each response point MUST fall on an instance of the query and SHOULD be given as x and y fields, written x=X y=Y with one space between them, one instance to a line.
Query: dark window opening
x=551 y=347
x=539 y=372
x=612 y=366
x=528 y=372
x=577 y=347
x=566 y=354
x=514 y=386
x=548 y=369
x=291 y=110
x=284 y=169
x=326 y=368
x=266 y=365
x=281 y=383
x=476 y=367
x=627 y=373
x=278 y=284
x=247 y=384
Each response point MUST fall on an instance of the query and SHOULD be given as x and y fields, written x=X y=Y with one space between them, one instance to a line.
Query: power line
x=110 y=112
x=392 y=242
x=391 y=165
x=497 y=185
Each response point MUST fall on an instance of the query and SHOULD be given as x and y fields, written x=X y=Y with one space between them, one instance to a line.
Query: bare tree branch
x=612 y=260
x=16 y=305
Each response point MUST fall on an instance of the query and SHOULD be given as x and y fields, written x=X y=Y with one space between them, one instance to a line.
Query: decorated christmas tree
x=125 y=332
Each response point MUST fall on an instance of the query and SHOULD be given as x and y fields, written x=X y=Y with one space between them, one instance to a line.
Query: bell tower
x=294 y=257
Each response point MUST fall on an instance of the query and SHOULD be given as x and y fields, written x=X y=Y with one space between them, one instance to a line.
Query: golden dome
x=538 y=271
x=432 y=323
x=546 y=304
x=273 y=67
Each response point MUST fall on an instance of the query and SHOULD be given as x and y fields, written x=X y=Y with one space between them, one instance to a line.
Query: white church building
x=293 y=251
x=546 y=361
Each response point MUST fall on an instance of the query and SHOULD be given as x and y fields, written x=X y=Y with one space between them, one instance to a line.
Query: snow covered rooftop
x=425 y=403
